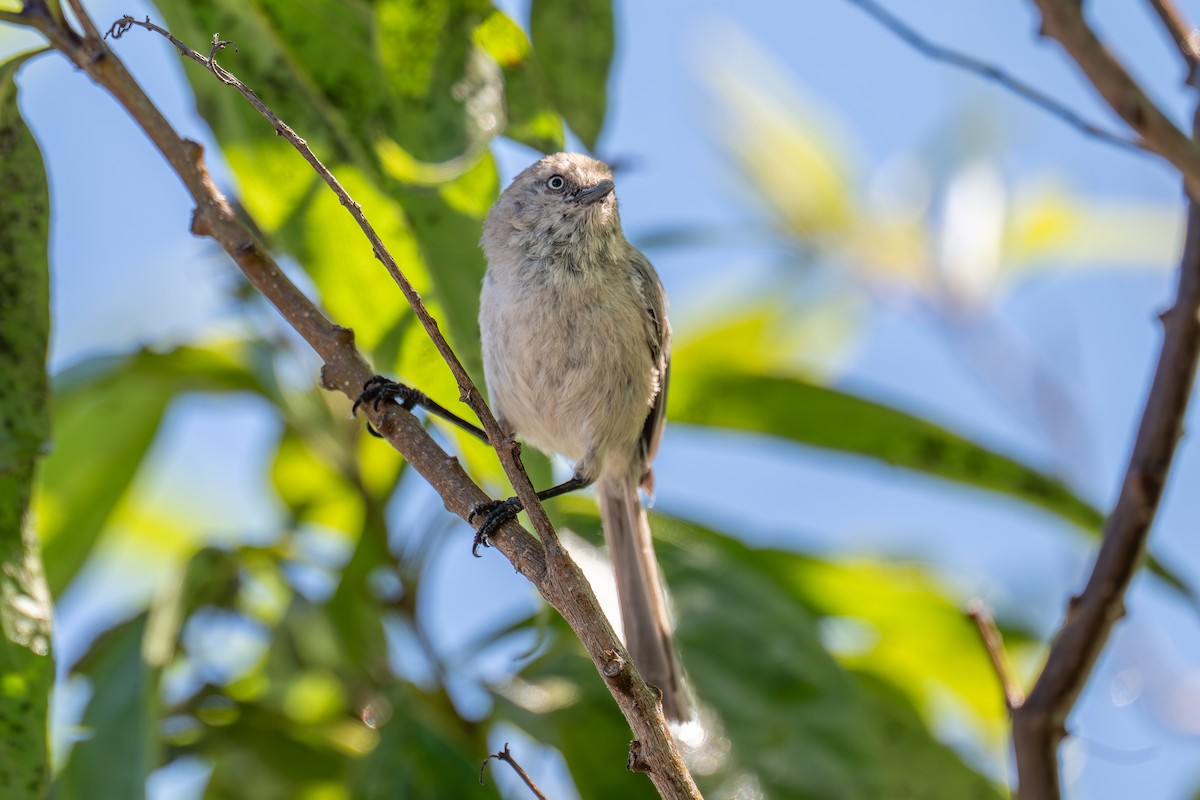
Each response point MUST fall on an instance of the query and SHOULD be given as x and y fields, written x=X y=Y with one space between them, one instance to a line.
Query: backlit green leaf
x=574 y=43
x=120 y=722
x=26 y=668
x=107 y=413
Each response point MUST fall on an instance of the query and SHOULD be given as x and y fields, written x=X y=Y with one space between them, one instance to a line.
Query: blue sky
x=126 y=272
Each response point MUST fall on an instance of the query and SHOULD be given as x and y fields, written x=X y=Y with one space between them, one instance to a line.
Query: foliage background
x=244 y=582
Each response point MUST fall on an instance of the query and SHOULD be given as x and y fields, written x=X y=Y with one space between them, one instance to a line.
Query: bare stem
x=506 y=756
x=993 y=642
x=993 y=74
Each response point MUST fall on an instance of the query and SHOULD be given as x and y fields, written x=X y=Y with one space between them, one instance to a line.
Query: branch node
x=122 y=27
x=614 y=664
x=636 y=761
x=200 y=226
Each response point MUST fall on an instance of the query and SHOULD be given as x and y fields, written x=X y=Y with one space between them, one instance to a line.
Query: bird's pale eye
x=556 y=182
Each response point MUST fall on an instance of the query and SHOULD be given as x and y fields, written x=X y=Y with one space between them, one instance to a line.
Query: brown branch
x=1186 y=37
x=556 y=576
x=506 y=756
x=993 y=642
x=993 y=74
x=1039 y=724
x=506 y=449
x=1063 y=21
x=85 y=21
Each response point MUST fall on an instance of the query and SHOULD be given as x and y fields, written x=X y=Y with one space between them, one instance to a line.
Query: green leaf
x=910 y=763
x=574 y=42
x=442 y=92
x=904 y=629
x=26 y=669
x=107 y=413
x=532 y=119
x=121 y=720
x=826 y=418
x=24 y=283
x=797 y=721
x=369 y=87
x=818 y=416
x=424 y=750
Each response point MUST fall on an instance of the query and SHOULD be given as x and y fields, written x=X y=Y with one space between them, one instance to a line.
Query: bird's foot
x=495 y=514
x=379 y=390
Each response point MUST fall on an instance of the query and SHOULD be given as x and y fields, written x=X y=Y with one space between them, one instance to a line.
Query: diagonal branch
x=992 y=73
x=1039 y=724
x=556 y=577
x=1063 y=21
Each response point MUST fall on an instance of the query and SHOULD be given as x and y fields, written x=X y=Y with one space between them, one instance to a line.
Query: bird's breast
x=567 y=363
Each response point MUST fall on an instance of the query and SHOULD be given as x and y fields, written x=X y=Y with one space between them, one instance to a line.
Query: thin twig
x=506 y=755
x=993 y=73
x=993 y=642
x=562 y=585
x=505 y=448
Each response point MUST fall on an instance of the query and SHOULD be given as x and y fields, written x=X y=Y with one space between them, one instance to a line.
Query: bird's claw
x=495 y=514
x=378 y=390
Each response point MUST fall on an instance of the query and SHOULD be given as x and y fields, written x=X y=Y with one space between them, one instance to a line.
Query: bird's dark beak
x=596 y=193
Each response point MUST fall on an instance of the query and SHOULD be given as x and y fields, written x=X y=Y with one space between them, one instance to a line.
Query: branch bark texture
x=544 y=562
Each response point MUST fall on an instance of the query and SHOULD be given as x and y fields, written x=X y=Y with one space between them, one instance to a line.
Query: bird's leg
x=381 y=390
x=498 y=512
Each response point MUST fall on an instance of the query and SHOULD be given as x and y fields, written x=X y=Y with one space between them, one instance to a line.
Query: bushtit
x=576 y=350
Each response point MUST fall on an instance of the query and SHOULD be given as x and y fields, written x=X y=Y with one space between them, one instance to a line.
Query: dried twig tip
x=506 y=755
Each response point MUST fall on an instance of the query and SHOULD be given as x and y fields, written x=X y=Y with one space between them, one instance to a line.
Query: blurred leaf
x=107 y=413
x=121 y=720
x=904 y=630
x=574 y=42
x=1050 y=227
x=720 y=396
x=818 y=416
x=911 y=764
x=424 y=750
x=791 y=149
x=260 y=753
x=561 y=701
x=442 y=94
x=796 y=720
x=532 y=119
x=26 y=668
x=316 y=492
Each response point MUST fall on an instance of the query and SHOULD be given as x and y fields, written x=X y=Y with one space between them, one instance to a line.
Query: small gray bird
x=576 y=349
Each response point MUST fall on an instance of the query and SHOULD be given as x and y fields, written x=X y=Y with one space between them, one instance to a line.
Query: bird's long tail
x=643 y=605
